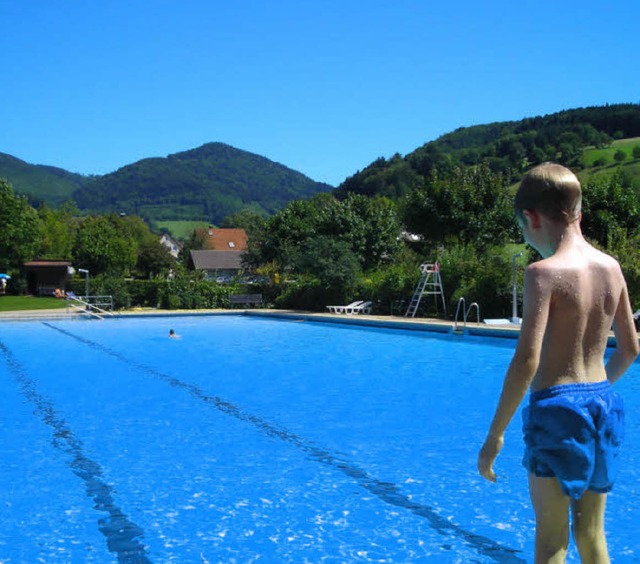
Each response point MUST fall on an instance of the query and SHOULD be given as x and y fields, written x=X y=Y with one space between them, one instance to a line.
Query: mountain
x=216 y=180
x=38 y=182
x=509 y=147
x=207 y=183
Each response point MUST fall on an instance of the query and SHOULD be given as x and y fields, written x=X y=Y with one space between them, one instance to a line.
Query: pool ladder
x=465 y=315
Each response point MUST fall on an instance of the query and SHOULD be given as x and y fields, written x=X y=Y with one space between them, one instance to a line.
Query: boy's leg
x=588 y=527
x=552 y=519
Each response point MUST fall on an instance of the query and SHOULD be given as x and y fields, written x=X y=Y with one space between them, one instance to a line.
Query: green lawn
x=180 y=229
x=19 y=303
x=589 y=156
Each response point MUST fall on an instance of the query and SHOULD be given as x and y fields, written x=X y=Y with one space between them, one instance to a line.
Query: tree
x=378 y=229
x=369 y=227
x=636 y=152
x=252 y=222
x=472 y=206
x=329 y=260
x=20 y=229
x=58 y=231
x=619 y=155
x=133 y=227
x=608 y=206
x=153 y=259
x=283 y=234
x=102 y=248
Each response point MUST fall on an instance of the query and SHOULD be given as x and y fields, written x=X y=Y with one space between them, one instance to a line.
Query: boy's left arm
x=626 y=336
x=521 y=370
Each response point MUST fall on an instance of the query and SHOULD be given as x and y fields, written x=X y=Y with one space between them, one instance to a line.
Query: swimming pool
x=254 y=439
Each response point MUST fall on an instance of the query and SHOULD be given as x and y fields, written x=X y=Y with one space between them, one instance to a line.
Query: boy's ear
x=533 y=217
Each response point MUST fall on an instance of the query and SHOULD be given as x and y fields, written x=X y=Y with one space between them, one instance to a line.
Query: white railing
x=91 y=305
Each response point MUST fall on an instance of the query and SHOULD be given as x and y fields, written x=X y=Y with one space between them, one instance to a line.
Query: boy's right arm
x=626 y=339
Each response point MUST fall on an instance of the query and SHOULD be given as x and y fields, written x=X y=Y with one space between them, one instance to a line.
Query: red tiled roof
x=222 y=239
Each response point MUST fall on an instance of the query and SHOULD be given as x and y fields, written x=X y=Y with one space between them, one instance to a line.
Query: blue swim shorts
x=573 y=432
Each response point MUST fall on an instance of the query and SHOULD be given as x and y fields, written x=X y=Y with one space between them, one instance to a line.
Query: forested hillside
x=38 y=182
x=207 y=183
x=216 y=180
x=203 y=184
x=509 y=148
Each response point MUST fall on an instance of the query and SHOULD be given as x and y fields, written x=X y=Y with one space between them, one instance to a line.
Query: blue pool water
x=258 y=440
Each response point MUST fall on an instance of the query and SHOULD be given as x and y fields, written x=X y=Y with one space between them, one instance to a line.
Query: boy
x=573 y=424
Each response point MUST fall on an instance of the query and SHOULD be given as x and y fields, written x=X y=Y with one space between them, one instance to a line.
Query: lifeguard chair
x=430 y=283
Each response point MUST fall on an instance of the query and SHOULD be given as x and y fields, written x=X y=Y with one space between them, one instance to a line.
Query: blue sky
x=323 y=87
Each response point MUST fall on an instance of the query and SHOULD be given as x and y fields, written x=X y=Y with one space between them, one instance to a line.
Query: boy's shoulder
x=581 y=256
x=586 y=261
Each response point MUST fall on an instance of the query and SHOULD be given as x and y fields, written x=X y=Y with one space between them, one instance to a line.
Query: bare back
x=576 y=293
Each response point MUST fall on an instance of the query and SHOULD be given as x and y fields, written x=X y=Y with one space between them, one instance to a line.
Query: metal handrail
x=461 y=302
x=474 y=304
x=465 y=314
x=88 y=308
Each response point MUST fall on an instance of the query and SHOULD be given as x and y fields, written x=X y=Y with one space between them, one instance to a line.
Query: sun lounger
x=343 y=308
x=363 y=307
x=500 y=321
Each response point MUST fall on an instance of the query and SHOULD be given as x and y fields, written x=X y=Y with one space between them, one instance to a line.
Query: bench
x=47 y=291
x=245 y=299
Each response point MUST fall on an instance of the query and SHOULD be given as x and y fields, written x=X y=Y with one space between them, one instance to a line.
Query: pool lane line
x=385 y=491
x=120 y=532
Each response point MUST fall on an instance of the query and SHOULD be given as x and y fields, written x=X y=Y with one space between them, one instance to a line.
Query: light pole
x=514 y=309
x=86 y=283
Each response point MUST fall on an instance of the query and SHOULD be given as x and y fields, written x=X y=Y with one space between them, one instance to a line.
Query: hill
x=38 y=182
x=207 y=183
x=203 y=184
x=510 y=147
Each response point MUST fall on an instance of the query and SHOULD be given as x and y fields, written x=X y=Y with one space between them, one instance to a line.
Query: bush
x=113 y=286
x=144 y=293
x=389 y=287
x=623 y=245
x=309 y=294
x=485 y=278
x=189 y=292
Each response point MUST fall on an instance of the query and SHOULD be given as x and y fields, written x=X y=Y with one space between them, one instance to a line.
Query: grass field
x=589 y=156
x=180 y=229
x=19 y=303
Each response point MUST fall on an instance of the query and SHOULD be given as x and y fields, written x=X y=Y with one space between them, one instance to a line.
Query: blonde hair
x=552 y=190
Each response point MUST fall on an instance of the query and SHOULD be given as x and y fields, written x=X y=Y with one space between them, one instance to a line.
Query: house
x=44 y=276
x=222 y=239
x=171 y=244
x=221 y=254
x=221 y=266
